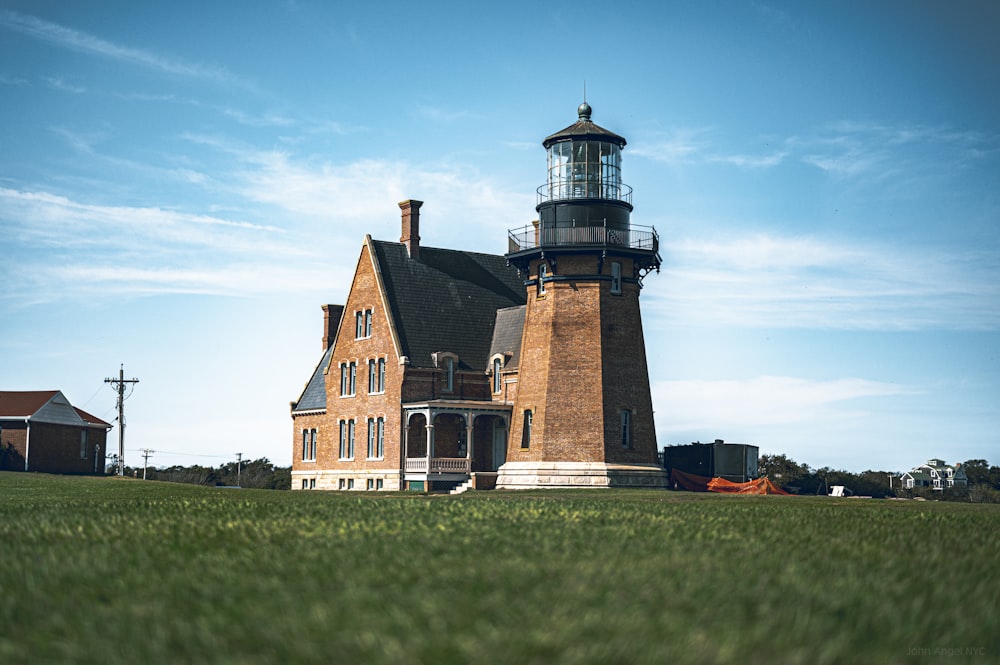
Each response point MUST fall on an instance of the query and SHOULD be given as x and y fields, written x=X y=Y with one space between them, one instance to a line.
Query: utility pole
x=239 y=463
x=146 y=452
x=119 y=386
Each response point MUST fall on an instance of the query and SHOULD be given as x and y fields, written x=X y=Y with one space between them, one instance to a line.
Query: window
x=380 y=386
x=348 y=379
x=312 y=483
x=83 y=444
x=340 y=484
x=616 y=278
x=363 y=324
x=372 y=377
x=308 y=445
x=347 y=439
x=526 y=432
x=371 y=438
x=449 y=374
x=379 y=483
x=626 y=422
x=380 y=438
x=497 y=376
x=370 y=484
x=350 y=483
x=305 y=484
x=543 y=272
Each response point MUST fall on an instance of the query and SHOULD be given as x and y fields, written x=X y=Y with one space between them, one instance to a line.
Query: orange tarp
x=693 y=483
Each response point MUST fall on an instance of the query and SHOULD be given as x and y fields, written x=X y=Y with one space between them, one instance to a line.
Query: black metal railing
x=631 y=237
x=569 y=190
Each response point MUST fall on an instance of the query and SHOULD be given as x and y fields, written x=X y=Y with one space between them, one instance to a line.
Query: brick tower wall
x=582 y=361
x=626 y=374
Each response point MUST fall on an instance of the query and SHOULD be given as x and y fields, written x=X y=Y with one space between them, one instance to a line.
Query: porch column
x=430 y=444
x=470 y=443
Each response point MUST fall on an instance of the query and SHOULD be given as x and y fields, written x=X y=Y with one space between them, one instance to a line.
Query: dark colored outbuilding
x=41 y=431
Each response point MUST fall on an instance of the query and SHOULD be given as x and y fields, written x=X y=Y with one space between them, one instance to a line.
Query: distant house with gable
x=935 y=474
x=41 y=431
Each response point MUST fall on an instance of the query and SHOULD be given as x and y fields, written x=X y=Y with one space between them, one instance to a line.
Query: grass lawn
x=108 y=570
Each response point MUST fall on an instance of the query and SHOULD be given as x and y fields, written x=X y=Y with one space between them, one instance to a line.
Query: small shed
x=41 y=431
x=735 y=462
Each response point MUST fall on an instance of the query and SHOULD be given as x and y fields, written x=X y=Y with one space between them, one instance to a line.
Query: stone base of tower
x=540 y=475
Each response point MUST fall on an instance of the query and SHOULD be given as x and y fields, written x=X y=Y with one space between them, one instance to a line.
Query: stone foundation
x=535 y=475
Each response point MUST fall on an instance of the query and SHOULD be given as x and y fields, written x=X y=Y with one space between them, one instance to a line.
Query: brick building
x=41 y=431
x=527 y=369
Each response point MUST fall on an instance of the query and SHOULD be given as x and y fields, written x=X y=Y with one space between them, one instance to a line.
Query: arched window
x=497 y=376
x=526 y=432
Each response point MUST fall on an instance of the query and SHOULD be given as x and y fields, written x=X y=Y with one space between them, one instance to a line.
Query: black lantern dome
x=584 y=185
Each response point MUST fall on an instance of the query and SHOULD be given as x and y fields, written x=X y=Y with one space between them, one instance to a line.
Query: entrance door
x=499 y=443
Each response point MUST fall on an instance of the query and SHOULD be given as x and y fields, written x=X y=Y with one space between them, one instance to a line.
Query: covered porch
x=448 y=442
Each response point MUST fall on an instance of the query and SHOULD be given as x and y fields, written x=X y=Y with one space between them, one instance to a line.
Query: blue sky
x=182 y=187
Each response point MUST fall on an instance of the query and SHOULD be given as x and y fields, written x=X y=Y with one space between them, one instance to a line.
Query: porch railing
x=438 y=465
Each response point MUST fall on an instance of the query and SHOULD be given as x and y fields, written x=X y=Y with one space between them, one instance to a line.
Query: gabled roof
x=446 y=300
x=47 y=406
x=23 y=403
x=91 y=420
x=313 y=396
x=507 y=335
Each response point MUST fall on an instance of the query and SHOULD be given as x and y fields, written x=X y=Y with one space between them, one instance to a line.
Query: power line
x=119 y=385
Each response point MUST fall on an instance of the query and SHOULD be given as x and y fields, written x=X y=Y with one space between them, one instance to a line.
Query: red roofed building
x=41 y=431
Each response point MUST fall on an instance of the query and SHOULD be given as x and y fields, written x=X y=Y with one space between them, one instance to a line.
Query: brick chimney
x=331 y=319
x=411 y=227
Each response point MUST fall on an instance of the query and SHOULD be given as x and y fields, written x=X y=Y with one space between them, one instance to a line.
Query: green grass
x=119 y=571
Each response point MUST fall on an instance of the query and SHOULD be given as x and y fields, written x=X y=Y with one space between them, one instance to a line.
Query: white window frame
x=497 y=375
x=616 y=278
x=543 y=272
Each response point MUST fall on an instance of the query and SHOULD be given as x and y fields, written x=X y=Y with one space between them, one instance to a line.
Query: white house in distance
x=934 y=473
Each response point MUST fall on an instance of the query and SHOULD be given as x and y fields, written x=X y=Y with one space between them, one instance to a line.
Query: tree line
x=252 y=474
x=789 y=475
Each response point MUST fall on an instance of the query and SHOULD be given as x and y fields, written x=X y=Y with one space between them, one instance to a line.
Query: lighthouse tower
x=582 y=414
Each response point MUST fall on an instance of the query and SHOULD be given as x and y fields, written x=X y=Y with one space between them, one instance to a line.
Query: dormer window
x=448 y=362
x=497 y=375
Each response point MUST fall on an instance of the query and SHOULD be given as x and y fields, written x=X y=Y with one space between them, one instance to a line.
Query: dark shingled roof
x=446 y=300
x=314 y=396
x=584 y=129
x=507 y=335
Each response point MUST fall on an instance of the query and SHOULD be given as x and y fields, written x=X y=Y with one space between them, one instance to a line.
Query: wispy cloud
x=61 y=84
x=846 y=149
x=76 y=40
x=802 y=282
x=764 y=400
x=66 y=248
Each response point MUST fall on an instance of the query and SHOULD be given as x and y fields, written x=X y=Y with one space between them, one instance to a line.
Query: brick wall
x=582 y=361
x=53 y=448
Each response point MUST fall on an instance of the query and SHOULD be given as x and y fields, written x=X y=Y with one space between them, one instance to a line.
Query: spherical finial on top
x=584 y=111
